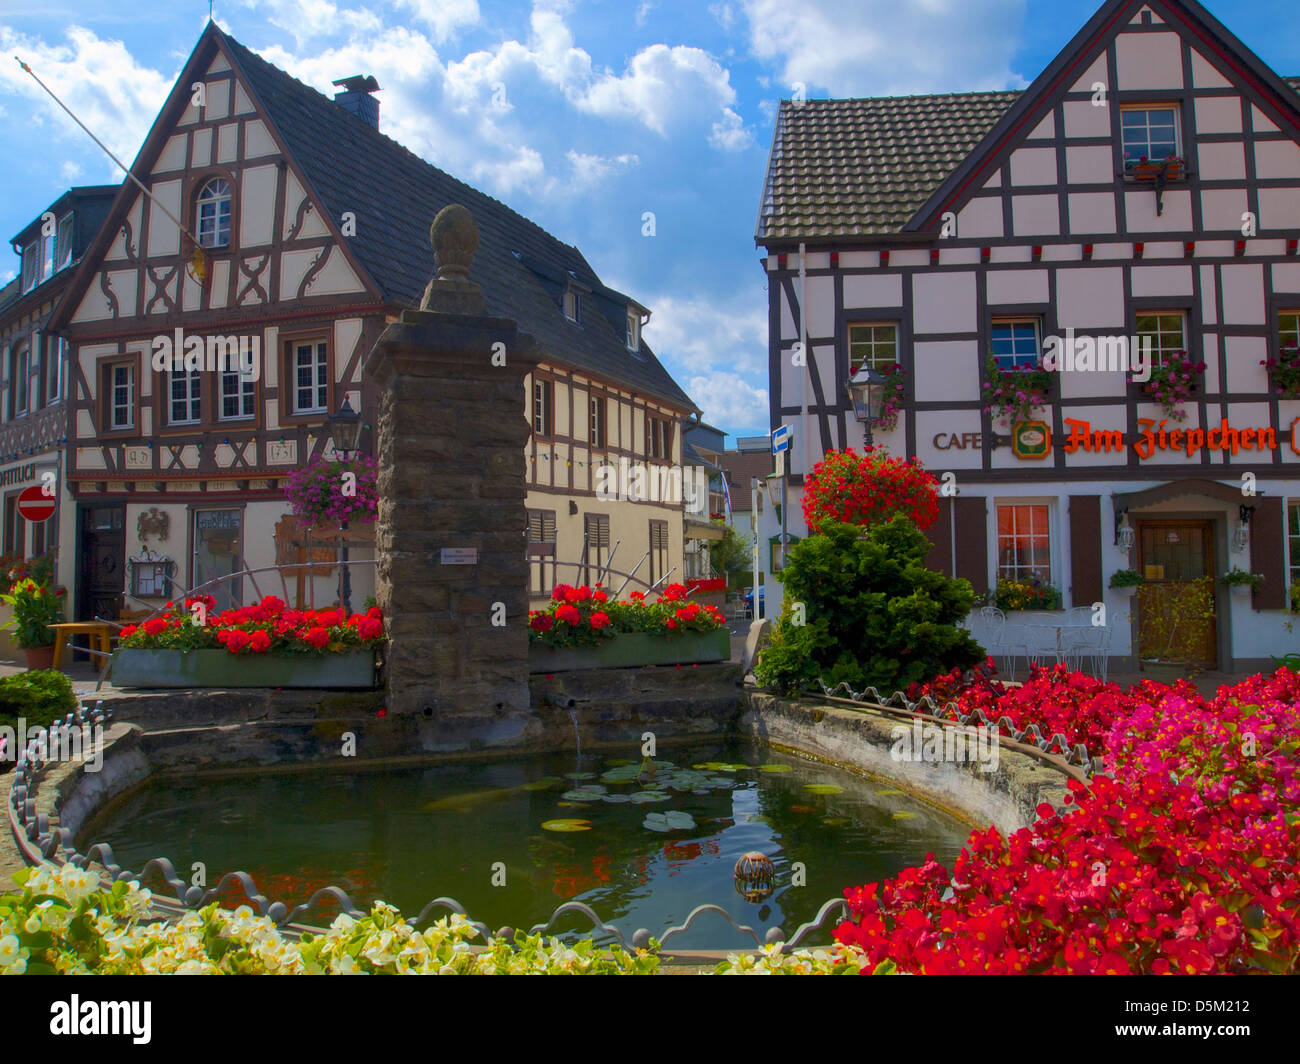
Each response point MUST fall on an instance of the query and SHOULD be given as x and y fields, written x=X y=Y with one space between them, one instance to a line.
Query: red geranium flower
x=599 y=620
x=568 y=614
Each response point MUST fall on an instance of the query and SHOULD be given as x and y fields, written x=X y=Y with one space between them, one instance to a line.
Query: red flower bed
x=269 y=626
x=1184 y=860
x=585 y=616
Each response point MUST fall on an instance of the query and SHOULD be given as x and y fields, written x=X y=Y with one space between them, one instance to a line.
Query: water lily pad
x=888 y=793
x=900 y=815
x=571 y=805
x=616 y=798
x=579 y=775
x=543 y=784
x=823 y=788
x=583 y=796
x=566 y=824
x=641 y=797
x=836 y=821
x=704 y=792
x=774 y=768
x=673 y=820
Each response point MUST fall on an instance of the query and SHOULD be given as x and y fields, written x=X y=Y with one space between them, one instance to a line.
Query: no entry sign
x=34 y=505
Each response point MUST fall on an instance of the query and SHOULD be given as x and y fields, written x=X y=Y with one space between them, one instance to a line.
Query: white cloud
x=706 y=332
x=590 y=170
x=662 y=84
x=730 y=402
x=308 y=19
x=643 y=11
x=70 y=171
x=882 y=47
x=99 y=80
x=730 y=134
x=443 y=17
x=724 y=14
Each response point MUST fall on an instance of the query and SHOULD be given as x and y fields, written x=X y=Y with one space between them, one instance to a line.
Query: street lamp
x=345 y=433
x=867 y=392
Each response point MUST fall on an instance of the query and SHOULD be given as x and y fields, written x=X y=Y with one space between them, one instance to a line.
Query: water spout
x=573 y=716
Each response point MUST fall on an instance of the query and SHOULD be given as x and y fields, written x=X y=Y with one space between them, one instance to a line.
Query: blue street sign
x=781 y=438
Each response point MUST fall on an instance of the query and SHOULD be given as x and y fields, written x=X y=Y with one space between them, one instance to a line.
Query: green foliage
x=1027 y=593
x=1126 y=578
x=730 y=556
x=36 y=606
x=39 y=696
x=873 y=613
x=1238 y=577
x=1176 y=620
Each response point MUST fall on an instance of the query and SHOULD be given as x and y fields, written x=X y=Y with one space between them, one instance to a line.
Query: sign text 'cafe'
x=1028 y=438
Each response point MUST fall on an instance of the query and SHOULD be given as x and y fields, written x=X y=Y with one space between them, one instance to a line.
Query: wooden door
x=103 y=561
x=1176 y=615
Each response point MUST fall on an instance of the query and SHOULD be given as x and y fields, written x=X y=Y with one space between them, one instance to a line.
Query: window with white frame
x=599 y=405
x=1168 y=332
x=571 y=310
x=213 y=208
x=1016 y=342
x=19 y=378
x=184 y=406
x=633 y=330
x=875 y=343
x=1288 y=330
x=1293 y=539
x=238 y=395
x=1149 y=132
x=55 y=357
x=659 y=438
x=63 y=251
x=543 y=408
x=310 y=377
x=1024 y=541
x=30 y=271
x=121 y=395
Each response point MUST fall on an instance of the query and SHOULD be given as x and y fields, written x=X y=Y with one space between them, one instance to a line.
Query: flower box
x=1149 y=171
x=219 y=668
x=631 y=649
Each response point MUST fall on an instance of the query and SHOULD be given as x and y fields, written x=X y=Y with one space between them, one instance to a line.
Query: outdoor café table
x=100 y=634
x=1058 y=640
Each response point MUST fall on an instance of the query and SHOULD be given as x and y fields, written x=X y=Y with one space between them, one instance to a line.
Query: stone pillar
x=451 y=440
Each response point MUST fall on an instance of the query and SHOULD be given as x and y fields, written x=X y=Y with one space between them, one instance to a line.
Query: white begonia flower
x=10 y=948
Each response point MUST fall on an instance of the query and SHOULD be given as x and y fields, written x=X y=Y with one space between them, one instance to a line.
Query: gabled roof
x=350 y=166
x=864 y=167
x=888 y=167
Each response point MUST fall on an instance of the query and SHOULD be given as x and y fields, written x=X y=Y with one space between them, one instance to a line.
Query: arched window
x=214 y=213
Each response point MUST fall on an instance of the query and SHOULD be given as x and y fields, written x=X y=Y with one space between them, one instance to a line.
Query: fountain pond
x=642 y=843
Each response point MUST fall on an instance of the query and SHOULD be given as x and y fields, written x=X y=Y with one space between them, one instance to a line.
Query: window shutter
x=940 y=535
x=1268 y=554
x=972 y=540
x=1085 y=549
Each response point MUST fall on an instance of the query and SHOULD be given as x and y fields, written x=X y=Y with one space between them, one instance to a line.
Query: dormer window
x=30 y=271
x=213 y=209
x=63 y=251
x=571 y=304
x=633 y=330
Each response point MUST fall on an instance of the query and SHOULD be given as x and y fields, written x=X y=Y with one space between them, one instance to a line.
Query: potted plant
x=1013 y=394
x=1174 y=626
x=1284 y=372
x=1239 y=578
x=1173 y=382
x=1028 y=593
x=1173 y=168
x=1125 y=580
x=36 y=607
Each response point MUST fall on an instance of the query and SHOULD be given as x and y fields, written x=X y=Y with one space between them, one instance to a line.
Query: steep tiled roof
x=395 y=194
x=864 y=167
x=10 y=292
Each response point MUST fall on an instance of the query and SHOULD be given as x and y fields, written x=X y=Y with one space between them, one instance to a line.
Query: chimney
x=356 y=97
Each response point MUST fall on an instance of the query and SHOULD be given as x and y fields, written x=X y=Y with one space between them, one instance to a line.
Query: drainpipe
x=805 y=465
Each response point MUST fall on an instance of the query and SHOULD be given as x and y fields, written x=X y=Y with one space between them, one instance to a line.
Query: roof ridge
x=373 y=131
x=798 y=105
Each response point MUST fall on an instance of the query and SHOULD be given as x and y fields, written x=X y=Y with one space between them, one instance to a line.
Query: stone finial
x=454 y=236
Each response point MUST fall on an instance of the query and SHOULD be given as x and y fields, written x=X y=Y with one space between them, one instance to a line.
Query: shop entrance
x=103 y=544
x=1176 y=605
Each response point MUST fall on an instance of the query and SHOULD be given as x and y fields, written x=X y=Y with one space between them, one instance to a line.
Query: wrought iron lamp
x=867 y=393
x=1125 y=536
x=1241 y=535
x=345 y=433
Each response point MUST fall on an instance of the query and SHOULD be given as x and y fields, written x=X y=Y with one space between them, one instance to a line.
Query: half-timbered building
x=33 y=371
x=282 y=226
x=1142 y=196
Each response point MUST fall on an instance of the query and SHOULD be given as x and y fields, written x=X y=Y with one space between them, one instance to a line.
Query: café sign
x=1155 y=436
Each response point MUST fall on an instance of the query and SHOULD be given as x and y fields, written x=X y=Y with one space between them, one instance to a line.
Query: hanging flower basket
x=1174 y=168
x=330 y=493
x=1011 y=395
x=1173 y=382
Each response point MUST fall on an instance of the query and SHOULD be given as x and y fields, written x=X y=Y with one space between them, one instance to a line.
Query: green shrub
x=872 y=612
x=39 y=696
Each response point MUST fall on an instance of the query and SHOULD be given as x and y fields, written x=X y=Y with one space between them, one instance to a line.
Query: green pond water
x=647 y=851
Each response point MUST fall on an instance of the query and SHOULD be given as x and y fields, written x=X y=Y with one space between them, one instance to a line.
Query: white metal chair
x=995 y=622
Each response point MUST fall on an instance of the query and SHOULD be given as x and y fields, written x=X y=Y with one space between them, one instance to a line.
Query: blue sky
x=581 y=114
